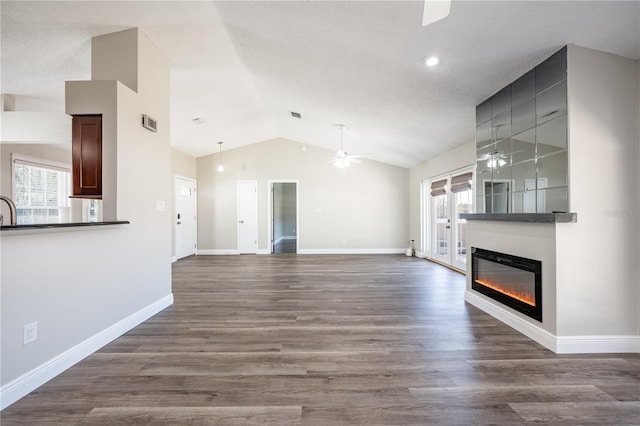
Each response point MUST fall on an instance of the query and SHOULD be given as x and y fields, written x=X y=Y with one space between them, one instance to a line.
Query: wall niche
x=521 y=143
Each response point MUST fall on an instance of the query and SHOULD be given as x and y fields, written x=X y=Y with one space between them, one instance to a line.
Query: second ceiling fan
x=342 y=159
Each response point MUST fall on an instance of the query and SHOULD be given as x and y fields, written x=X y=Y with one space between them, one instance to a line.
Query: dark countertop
x=523 y=217
x=61 y=225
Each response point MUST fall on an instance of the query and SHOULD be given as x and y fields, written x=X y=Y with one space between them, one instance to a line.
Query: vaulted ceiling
x=243 y=66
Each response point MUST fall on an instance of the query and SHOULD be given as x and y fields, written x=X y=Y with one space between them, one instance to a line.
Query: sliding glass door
x=450 y=196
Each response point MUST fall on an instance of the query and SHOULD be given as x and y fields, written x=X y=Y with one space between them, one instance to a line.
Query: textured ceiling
x=243 y=66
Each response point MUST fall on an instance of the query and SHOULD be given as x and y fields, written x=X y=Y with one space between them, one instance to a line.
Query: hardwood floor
x=330 y=340
x=285 y=246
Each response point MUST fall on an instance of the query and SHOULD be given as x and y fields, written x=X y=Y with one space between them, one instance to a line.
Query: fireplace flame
x=519 y=295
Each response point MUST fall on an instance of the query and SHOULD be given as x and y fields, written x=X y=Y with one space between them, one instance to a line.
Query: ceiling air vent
x=296 y=114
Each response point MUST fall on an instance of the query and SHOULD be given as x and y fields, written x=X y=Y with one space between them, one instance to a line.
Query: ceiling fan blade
x=435 y=10
x=358 y=155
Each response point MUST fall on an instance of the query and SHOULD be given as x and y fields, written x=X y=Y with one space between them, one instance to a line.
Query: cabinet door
x=87 y=155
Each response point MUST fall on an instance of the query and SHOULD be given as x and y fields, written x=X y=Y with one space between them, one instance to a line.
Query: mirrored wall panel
x=521 y=143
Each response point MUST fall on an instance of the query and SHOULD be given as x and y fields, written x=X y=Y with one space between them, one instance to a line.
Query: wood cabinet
x=87 y=156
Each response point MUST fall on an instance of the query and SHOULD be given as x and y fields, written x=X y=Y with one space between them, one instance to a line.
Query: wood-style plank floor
x=330 y=340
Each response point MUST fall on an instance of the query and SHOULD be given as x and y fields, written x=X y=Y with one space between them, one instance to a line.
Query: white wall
x=598 y=256
x=362 y=208
x=457 y=158
x=86 y=287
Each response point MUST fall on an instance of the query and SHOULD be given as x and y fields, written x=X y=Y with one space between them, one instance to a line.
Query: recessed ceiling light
x=431 y=61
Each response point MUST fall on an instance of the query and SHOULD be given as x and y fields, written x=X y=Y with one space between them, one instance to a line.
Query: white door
x=248 y=217
x=185 y=217
x=535 y=201
x=448 y=231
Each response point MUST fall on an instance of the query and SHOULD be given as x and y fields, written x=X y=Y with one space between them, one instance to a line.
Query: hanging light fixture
x=342 y=160
x=220 y=166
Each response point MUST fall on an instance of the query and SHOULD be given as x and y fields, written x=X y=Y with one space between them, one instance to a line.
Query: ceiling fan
x=342 y=159
x=494 y=160
x=435 y=10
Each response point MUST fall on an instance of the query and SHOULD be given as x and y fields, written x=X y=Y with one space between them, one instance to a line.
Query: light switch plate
x=160 y=206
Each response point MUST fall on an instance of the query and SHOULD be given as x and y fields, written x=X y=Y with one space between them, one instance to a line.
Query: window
x=92 y=210
x=41 y=191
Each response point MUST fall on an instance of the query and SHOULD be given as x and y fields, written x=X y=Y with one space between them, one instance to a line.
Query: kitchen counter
x=60 y=226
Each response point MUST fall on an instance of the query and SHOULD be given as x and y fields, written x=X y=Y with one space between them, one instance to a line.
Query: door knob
x=241 y=221
x=179 y=223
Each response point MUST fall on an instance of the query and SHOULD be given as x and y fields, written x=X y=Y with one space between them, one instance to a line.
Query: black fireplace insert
x=511 y=280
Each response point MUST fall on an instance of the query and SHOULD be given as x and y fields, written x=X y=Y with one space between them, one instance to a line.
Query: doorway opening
x=283 y=220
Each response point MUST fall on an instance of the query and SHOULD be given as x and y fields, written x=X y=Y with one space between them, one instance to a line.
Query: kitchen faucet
x=12 y=210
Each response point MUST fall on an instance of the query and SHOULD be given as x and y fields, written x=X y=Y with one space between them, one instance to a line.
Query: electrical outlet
x=30 y=333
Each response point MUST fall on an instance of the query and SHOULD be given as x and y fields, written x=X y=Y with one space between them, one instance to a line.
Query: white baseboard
x=217 y=252
x=264 y=251
x=279 y=240
x=557 y=344
x=174 y=259
x=352 y=251
x=28 y=382
x=420 y=254
x=538 y=334
x=597 y=344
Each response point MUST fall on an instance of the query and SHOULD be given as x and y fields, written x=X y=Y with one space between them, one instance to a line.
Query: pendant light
x=220 y=166
x=342 y=161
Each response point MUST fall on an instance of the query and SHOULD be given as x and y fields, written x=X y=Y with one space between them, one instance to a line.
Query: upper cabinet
x=521 y=143
x=87 y=156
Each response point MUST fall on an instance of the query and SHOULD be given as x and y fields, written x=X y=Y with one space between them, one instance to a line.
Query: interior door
x=441 y=228
x=185 y=217
x=535 y=201
x=248 y=217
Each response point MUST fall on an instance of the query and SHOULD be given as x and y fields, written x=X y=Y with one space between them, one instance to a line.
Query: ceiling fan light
x=494 y=162
x=342 y=162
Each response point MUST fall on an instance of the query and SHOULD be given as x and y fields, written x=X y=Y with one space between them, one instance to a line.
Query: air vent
x=296 y=114
x=149 y=123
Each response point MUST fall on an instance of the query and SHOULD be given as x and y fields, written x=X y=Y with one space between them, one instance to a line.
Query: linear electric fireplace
x=511 y=280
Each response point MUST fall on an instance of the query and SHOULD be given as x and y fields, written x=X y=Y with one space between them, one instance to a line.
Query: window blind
x=439 y=187
x=41 y=192
x=461 y=182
